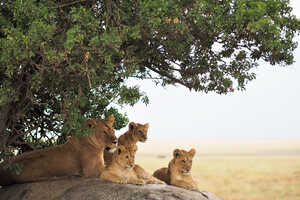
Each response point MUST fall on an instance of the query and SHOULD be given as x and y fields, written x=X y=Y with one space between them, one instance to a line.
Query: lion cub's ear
x=90 y=123
x=192 y=152
x=176 y=153
x=146 y=125
x=110 y=120
x=131 y=125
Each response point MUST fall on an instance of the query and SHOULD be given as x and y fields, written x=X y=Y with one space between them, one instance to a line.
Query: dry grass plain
x=233 y=171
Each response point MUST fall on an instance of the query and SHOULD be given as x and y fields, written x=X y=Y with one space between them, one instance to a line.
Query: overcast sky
x=269 y=108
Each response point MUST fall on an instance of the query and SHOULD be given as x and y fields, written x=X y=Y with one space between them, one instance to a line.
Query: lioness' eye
x=183 y=161
x=105 y=133
x=127 y=157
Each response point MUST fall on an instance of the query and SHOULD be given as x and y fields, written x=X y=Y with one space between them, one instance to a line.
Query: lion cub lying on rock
x=136 y=133
x=120 y=169
x=179 y=171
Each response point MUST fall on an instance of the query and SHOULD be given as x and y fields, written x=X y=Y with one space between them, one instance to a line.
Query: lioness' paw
x=120 y=181
x=155 y=182
x=161 y=182
x=139 y=182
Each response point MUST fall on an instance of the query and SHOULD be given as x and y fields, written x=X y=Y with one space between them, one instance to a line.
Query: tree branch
x=169 y=76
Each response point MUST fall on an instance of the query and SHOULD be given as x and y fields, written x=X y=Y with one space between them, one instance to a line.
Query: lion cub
x=120 y=170
x=137 y=133
x=179 y=171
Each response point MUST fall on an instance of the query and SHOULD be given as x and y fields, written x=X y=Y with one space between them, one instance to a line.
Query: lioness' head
x=103 y=132
x=139 y=131
x=184 y=160
x=124 y=158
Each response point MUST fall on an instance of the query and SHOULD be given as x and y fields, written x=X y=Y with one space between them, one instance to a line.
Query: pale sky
x=269 y=108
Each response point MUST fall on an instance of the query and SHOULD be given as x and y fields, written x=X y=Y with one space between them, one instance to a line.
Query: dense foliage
x=64 y=60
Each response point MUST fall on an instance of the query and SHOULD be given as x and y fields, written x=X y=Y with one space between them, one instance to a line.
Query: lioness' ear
x=192 y=152
x=146 y=125
x=90 y=123
x=110 y=120
x=176 y=153
x=119 y=151
x=121 y=148
x=131 y=125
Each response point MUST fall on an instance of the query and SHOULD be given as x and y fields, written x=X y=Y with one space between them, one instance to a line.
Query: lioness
x=136 y=132
x=81 y=156
x=120 y=169
x=179 y=171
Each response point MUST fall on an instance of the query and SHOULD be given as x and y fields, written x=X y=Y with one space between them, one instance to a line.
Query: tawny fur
x=81 y=156
x=136 y=132
x=179 y=171
x=120 y=170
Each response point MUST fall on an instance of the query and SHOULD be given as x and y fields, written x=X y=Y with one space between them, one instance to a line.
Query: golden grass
x=248 y=177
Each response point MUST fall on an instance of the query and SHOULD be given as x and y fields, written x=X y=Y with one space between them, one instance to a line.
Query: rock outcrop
x=93 y=189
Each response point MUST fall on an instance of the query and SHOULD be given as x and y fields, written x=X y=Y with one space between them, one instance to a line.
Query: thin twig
x=69 y=4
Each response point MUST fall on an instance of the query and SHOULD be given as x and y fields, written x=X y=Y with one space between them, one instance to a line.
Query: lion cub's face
x=103 y=131
x=184 y=160
x=132 y=149
x=139 y=131
x=124 y=158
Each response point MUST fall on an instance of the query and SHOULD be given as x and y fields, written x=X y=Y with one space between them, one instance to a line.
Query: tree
x=64 y=60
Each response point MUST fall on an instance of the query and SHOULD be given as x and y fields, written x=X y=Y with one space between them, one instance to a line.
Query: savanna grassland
x=246 y=172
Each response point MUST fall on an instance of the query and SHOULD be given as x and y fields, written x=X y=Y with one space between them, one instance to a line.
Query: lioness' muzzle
x=185 y=172
x=111 y=148
x=113 y=144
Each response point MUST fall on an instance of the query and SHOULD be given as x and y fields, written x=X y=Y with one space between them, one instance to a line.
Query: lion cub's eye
x=127 y=157
x=183 y=161
x=105 y=133
x=141 y=132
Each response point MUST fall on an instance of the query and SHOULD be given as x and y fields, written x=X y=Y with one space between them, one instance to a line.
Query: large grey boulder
x=93 y=189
